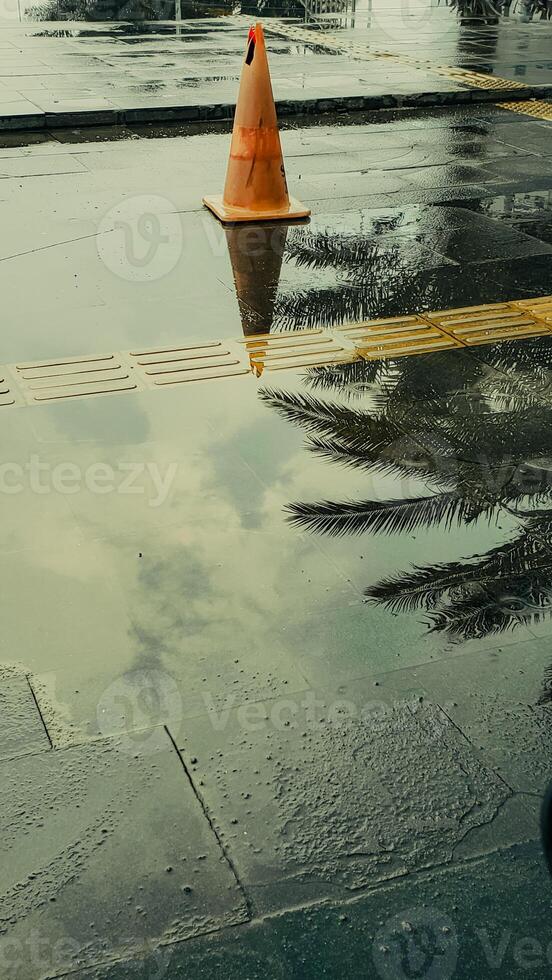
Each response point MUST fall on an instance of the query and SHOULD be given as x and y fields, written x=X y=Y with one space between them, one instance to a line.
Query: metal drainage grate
x=540 y=110
x=397 y=337
x=473 y=325
x=74 y=377
x=279 y=352
x=178 y=365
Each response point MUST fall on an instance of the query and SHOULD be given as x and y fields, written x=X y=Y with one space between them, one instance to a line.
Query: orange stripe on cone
x=256 y=186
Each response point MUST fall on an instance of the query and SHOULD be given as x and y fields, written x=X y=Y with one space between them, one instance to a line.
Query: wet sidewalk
x=67 y=74
x=276 y=662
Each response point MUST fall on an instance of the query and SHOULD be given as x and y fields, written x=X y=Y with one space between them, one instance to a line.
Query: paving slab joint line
x=498 y=775
x=38 y=708
x=207 y=815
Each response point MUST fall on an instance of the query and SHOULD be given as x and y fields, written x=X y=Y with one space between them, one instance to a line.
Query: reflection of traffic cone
x=256 y=257
x=256 y=188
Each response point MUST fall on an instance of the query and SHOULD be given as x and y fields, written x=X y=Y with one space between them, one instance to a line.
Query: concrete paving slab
x=305 y=780
x=523 y=275
x=51 y=167
x=499 y=699
x=59 y=910
x=514 y=739
x=449 y=922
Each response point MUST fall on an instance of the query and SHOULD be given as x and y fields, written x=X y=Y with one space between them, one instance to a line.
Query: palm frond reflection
x=482 y=446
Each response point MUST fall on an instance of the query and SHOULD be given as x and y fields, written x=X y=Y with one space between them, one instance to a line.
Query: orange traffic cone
x=256 y=187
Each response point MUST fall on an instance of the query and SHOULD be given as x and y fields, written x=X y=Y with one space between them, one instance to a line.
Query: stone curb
x=225 y=111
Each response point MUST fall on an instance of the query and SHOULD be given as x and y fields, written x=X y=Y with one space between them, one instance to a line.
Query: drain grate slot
x=107 y=388
x=74 y=377
x=174 y=365
x=155 y=372
x=191 y=374
x=7 y=396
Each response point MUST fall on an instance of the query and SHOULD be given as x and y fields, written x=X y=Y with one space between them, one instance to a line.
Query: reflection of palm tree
x=153 y=10
x=371 y=276
x=542 y=9
x=487 y=11
x=440 y=425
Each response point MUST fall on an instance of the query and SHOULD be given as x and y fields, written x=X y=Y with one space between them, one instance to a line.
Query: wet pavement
x=66 y=73
x=276 y=664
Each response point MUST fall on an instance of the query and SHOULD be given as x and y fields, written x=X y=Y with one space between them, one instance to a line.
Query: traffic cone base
x=294 y=211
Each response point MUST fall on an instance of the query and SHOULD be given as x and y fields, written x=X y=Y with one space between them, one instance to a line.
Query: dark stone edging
x=294 y=107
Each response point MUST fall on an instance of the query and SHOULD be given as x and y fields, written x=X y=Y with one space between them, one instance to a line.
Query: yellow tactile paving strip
x=397 y=337
x=474 y=325
x=541 y=308
x=279 y=352
x=531 y=107
x=91 y=375
x=477 y=79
